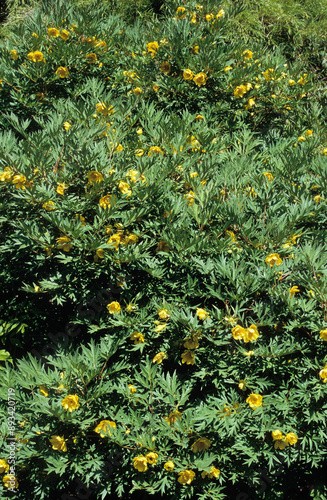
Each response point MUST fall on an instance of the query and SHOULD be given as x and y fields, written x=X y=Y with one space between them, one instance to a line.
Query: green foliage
x=163 y=218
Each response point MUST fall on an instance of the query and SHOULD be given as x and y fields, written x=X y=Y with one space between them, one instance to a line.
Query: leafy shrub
x=181 y=180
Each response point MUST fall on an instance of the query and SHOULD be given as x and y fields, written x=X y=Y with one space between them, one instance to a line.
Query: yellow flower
x=137 y=337
x=44 y=391
x=247 y=54
x=139 y=152
x=92 y=57
x=114 y=308
x=175 y=415
x=35 y=35
x=196 y=49
x=323 y=334
x=199 y=117
x=161 y=327
x=64 y=34
x=140 y=463
x=124 y=188
x=14 y=54
x=291 y=438
x=250 y=104
x=190 y=197
x=137 y=91
x=104 y=427
x=269 y=176
x=10 y=481
x=191 y=343
x=214 y=473
x=291 y=82
x=188 y=74
x=180 y=12
x=318 y=198
x=200 y=445
x=99 y=254
x=155 y=149
x=6 y=176
x=64 y=243
x=308 y=133
x=152 y=47
x=156 y=88
x=58 y=443
x=221 y=13
x=277 y=435
x=254 y=400
x=19 y=181
x=273 y=259
x=94 y=176
x=70 y=403
x=62 y=72
x=158 y=358
x=240 y=91
x=294 y=290
x=228 y=68
x=4 y=466
x=67 y=125
x=163 y=313
x=53 y=32
x=323 y=374
x=61 y=188
x=209 y=17
x=165 y=67
x=251 y=334
x=281 y=444
x=151 y=457
x=116 y=239
x=169 y=466
x=139 y=131
x=188 y=358
x=202 y=314
x=268 y=74
x=301 y=138
x=105 y=201
x=200 y=79
x=132 y=389
x=49 y=205
x=238 y=332
x=186 y=477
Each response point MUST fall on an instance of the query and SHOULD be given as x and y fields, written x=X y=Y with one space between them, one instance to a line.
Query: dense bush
x=163 y=214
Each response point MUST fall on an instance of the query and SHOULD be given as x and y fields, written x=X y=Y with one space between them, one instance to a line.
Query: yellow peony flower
x=209 y=17
x=294 y=290
x=155 y=88
x=323 y=374
x=53 y=32
x=58 y=443
x=14 y=54
x=114 y=308
x=163 y=313
x=103 y=427
x=19 y=181
x=137 y=91
x=94 y=177
x=70 y=402
x=175 y=415
x=64 y=34
x=228 y=68
x=152 y=47
x=124 y=188
x=323 y=334
x=214 y=473
x=169 y=466
x=49 y=205
x=132 y=389
x=4 y=466
x=250 y=104
x=137 y=337
x=151 y=457
x=273 y=259
x=158 y=358
x=190 y=197
x=61 y=188
x=140 y=463
x=156 y=150
x=220 y=14
x=188 y=74
x=105 y=201
x=43 y=388
x=10 y=481
x=67 y=125
x=277 y=435
x=238 y=332
x=188 y=357
x=251 y=334
x=240 y=91
x=160 y=327
x=291 y=438
x=186 y=477
x=291 y=82
x=202 y=314
x=165 y=67
x=62 y=72
x=254 y=400
x=280 y=444
x=180 y=13
x=268 y=175
x=268 y=74
x=191 y=343
x=200 y=79
x=91 y=57
x=201 y=445
x=247 y=54
x=64 y=243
